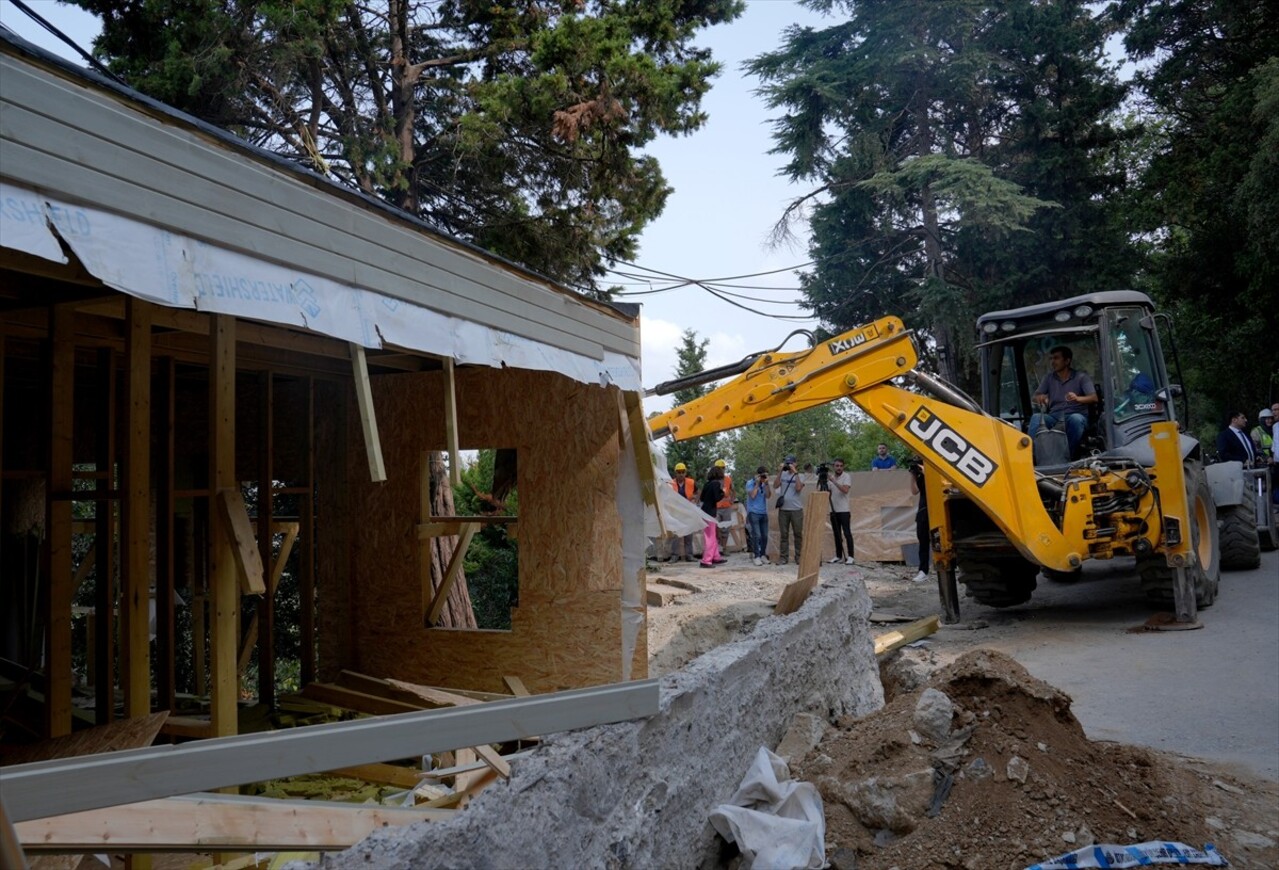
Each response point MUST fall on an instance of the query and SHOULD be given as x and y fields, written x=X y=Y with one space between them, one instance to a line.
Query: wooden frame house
x=188 y=323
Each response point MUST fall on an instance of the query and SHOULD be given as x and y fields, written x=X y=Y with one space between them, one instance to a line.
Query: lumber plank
x=198 y=822
x=517 y=687
x=383 y=774
x=191 y=727
x=10 y=848
x=124 y=734
x=250 y=639
x=810 y=561
x=359 y=701
x=451 y=575
x=368 y=417
x=891 y=640
x=434 y=697
x=450 y=422
x=244 y=546
x=496 y=762
x=376 y=686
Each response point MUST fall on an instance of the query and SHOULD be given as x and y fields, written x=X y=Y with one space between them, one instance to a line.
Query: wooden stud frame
x=56 y=580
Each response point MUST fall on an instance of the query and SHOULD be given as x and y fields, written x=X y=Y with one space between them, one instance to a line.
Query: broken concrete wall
x=638 y=794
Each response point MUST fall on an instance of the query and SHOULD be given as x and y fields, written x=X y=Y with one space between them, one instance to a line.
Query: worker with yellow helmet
x=685 y=486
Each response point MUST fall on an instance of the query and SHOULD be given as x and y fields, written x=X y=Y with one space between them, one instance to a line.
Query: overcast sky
x=726 y=199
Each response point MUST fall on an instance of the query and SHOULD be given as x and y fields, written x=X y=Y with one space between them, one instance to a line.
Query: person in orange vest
x=724 y=508
x=685 y=486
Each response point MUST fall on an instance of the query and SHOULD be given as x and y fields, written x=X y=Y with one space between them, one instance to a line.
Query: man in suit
x=1233 y=443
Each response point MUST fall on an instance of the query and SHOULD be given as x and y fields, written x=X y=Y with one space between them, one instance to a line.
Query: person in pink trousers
x=712 y=492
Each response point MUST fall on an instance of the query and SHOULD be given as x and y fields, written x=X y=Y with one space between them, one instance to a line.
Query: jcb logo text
x=951 y=446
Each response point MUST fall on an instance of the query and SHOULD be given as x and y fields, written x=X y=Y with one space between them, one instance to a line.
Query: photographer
x=790 y=510
x=916 y=468
x=758 y=492
x=839 y=482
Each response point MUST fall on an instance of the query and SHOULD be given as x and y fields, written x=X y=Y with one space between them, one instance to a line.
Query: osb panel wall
x=566 y=632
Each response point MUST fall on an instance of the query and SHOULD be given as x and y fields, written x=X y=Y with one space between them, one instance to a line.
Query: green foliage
x=492 y=560
x=1207 y=208
x=959 y=151
x=697 y=453
x=515 y=125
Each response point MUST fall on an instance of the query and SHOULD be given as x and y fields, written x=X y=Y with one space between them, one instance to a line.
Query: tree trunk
x=457 y=612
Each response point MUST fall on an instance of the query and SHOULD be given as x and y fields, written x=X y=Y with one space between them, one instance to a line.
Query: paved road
x=1211 y=693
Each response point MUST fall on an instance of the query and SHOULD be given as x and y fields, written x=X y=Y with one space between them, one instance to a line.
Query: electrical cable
x=88 y=58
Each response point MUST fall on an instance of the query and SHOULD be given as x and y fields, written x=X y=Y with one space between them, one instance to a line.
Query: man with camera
x=838 y=483
x=790 y=510
x=758 y=492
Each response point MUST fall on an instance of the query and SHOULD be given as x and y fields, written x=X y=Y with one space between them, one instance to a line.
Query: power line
x=88 y=58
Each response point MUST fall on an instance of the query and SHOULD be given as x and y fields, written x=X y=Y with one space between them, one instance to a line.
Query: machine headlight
x=990 y=328
x=1008 y=326
x=1083 y=310
x=1061 y=316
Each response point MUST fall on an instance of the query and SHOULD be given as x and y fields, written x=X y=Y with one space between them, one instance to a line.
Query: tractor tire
x=1240 y=543
x=1061 y=576
x=999 y=581
x=1269 y=533
x=1157 y=578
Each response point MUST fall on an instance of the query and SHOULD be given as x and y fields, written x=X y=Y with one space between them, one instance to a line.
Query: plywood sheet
x=566 y=632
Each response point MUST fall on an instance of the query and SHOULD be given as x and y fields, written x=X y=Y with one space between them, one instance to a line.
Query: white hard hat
x=1265 y=412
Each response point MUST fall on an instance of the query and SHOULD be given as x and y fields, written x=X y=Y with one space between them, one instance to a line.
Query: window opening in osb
x=489 y=571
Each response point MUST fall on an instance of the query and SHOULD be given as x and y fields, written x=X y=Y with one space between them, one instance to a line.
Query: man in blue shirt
x=882 y=461
x=758 y=492
x=1067 y=393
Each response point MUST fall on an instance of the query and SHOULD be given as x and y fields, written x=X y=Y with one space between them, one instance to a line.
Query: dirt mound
x=986 y=767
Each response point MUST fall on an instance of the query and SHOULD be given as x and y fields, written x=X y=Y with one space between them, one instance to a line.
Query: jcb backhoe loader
x=999 y=513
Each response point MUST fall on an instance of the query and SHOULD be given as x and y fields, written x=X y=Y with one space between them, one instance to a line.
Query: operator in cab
x=1067 y=393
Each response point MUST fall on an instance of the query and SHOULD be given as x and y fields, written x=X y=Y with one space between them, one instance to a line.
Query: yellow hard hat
x=719 y=463
x=679 y=466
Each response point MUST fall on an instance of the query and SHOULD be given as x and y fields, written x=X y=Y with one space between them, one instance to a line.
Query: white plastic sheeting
x=777 y=822
x=673 y=513
x=180 y=272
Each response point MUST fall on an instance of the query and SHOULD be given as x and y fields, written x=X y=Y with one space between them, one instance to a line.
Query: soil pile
x=984 y=766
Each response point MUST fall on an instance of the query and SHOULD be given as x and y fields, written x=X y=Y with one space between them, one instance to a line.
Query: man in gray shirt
x=790 y=509
x=1067 y=393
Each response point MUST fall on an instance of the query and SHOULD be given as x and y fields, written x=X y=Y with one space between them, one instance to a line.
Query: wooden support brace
x=795 y=594
x=517 y=687
x=432 y=696
x=920 y=628
x=237 y=526
x=450 y=576
x=368 y=419
x=290 y=531
x=224 y=587
x=57 y=575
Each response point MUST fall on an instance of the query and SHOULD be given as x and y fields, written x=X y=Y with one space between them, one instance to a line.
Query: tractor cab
x=1111 y=337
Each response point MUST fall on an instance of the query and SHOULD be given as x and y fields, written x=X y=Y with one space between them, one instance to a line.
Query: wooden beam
x=450 y=422
x=306 y=558
x=165 y=396
x=439 y=527
x=375 y=686
x=517 y=687
x=434 y=697
x=125 y=734
x=56 y=585
x=368 y=417
x=197 y=823
x=57 y=787
x=244 y=546
x=352 y=700
x=920 y=628
x=135 y=513
x=451 y=575
x=383 y=774
x=223 y=586
x=263 y=617
x=496 y=763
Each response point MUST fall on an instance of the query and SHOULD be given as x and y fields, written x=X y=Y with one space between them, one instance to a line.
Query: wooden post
x=224 y=587
x=135 y=519
x=266 y=603
x=165 y=566
x=104 y=583
x=368 y=418
x=306 y=556
x=56 y=582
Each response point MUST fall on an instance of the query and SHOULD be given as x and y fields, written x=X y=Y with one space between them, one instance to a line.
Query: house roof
x=164 y=206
